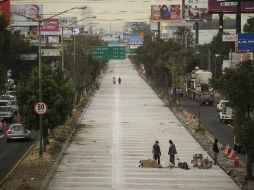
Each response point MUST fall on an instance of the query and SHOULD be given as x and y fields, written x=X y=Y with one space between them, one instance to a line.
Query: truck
x=226 y=113
x=198 y=87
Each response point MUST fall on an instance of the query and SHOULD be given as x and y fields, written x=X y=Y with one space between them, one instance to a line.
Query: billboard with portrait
x=197 y=10
x=230 y=7
x=5 y=10
x=165 y=13
x=33 y=11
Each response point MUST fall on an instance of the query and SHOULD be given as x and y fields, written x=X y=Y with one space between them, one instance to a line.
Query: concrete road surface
x=123 y=123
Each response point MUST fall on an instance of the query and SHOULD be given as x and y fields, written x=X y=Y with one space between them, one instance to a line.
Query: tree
x=249 y=26
x=138 y=27
x=237 y=85
x=57 y=94
x=181 y=34
x=245 y=137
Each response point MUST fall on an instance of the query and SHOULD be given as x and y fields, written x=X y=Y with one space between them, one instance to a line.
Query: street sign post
x=51 y=52
x=246 y=42
x=108 y=52
x=40 y=108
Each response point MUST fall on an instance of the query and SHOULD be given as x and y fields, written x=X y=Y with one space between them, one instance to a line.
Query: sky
x=109 y=13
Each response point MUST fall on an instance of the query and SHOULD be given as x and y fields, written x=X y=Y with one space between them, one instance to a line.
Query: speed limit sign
x=41 y=108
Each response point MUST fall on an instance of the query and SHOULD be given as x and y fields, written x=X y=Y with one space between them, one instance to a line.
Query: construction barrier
x=189 y=117
x=233 y=155
x=227 y=150
x=237 y=162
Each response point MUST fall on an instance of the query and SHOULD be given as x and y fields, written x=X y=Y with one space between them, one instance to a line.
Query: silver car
x=17 y=131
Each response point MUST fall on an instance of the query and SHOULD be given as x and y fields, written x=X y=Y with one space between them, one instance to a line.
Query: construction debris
x=201 y=162
x=149 y=163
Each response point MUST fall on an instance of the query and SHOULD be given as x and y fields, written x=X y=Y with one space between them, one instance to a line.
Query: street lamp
x=62 y=42
x=39 y=21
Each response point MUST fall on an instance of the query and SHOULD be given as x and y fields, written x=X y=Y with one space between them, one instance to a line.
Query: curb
x=50 y=175
x=18 y=162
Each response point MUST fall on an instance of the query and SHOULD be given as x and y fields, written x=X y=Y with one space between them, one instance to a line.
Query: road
x=121 y=124
x=11 y=152
x=209 y=119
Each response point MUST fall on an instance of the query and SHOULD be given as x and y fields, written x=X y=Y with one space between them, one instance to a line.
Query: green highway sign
x=108 y=52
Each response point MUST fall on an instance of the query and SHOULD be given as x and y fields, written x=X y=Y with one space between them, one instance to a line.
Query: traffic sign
x=108 y=52
x=51 y=52
x=41 y=108
x=246 y=42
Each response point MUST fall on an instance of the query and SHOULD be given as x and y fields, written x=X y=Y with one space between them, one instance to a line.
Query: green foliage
x=138 y=27
x=246 y=133
x=165 y=62
x=57 y=93
x=249 y=26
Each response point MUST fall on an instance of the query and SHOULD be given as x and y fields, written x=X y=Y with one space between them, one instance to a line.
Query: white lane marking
x=1 y=136
x=230 y=126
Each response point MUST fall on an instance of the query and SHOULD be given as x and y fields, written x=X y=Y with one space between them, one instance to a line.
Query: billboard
x=166 y=13
x=34 y=11
x=246 y=42
x=230 y=7
x=132 y=39
x=197 y=10
x=50 y=27
x=5 y=10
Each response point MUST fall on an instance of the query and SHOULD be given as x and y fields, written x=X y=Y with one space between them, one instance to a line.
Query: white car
x=17 y=131
x=220 y=104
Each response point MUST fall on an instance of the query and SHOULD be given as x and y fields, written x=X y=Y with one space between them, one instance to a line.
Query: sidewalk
x=122 y=123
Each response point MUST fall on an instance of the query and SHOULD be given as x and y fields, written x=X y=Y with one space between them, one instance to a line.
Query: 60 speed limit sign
x=41 y=108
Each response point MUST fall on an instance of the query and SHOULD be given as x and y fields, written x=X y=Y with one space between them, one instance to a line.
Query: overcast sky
x=123 y=10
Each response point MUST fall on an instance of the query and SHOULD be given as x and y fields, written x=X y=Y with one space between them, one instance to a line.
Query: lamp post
x=39 y=21
x=74 y=40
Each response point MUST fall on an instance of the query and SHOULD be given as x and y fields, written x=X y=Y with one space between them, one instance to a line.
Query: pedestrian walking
x=215 y=151
x=119 y=80
x=156 y=152
x=114 y=80
x=172 y=152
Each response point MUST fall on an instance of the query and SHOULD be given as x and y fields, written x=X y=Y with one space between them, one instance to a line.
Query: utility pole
x=196 y=33
x=238 y=17
x=159 y=30
x=221 y=24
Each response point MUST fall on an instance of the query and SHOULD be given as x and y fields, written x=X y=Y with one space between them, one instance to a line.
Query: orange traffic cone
x=233 y=155
x=237 y=162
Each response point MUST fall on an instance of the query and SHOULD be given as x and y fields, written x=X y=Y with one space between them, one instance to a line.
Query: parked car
x=220 y=104
x=177 y=91
x=17 y=131
x=207 y=100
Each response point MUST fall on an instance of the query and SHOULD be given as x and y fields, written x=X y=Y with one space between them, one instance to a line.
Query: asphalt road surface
x=11 y=152
x=209 y=119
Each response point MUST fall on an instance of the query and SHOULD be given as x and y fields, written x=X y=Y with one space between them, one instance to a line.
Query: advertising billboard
x=246 y=42
x=166 y=13
x=50 y=27
x=33 y=11
x=5 y=10
x=132 y=39
x=230 y=7
x=197 y=10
